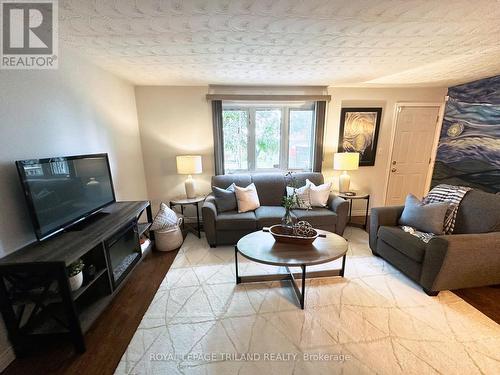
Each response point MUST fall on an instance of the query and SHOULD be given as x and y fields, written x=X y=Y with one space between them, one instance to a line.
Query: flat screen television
x=62 y=191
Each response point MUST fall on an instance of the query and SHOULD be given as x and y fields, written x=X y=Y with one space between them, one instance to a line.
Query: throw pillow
x=424 y=217
x=319 y=194
x=247 y=198
x=165 y=218
x=225 y=199
x=303 y=197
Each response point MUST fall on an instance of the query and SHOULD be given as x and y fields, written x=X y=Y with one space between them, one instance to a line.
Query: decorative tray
x=285 y=234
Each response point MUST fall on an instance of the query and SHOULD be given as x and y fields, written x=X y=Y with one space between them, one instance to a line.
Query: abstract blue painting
x=469 y=146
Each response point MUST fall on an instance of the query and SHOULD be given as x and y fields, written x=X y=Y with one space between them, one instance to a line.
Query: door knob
x=394 y=162
x=393 y=170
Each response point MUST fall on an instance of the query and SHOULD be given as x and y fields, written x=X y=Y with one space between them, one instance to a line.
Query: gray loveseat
x=226 y=228
x=469 y=257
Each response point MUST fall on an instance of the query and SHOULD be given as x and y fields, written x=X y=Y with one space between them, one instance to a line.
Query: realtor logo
x=29 y=34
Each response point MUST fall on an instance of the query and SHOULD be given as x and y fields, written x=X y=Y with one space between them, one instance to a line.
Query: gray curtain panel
x=218 y=136
x=320 y=133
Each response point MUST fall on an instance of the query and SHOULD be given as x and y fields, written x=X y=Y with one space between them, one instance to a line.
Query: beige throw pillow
x=319 y=194
x=247 y=198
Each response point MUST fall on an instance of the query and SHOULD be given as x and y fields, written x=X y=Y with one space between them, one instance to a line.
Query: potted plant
x=75 y=274
x=289 y=202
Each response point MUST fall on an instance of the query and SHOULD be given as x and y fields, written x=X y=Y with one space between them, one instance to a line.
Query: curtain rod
x=278 y=97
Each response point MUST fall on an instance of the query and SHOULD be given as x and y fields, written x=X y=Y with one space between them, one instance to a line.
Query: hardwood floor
x=110 y=335
x=486 y=299
x=108 y=339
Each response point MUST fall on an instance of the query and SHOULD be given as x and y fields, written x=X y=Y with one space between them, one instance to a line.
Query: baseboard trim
x=6 y=357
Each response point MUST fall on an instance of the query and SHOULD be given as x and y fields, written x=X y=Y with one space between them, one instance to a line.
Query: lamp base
x=344 y=182
x=190 y=187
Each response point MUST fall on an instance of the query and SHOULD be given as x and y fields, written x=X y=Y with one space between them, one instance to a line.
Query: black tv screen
x=61 y=191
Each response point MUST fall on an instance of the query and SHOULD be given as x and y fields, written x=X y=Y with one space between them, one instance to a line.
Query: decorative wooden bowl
x=285 y=234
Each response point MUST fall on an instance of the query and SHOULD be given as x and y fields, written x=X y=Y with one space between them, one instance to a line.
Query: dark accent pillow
x=225 y=199
x=424 y=217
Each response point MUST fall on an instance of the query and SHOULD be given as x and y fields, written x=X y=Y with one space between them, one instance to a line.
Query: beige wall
x=370 y=179
x=82 y=109
x=77 y=109
x=174 y=121
x=177 y=120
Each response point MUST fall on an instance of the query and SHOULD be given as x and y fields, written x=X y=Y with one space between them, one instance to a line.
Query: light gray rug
x=375 y=320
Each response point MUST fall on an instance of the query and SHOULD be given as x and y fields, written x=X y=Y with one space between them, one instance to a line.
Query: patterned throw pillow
x=319 y=194
x=303 y=197
x=165 y=218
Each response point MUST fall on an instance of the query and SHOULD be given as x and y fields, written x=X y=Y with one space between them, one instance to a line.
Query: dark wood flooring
x=108 y=339
x=486 y=299
x=110 y=335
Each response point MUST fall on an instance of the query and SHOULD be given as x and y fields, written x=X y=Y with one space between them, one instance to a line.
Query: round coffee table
x=262 y=248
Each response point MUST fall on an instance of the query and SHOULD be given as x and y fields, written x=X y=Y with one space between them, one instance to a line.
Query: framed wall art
x=359 y=129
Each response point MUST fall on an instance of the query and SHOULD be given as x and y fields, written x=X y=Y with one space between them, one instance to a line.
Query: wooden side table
x=186 y=202
x=351 y=198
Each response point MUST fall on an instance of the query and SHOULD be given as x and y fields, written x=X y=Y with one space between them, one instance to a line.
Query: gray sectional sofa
x=226 y=228
x=469 y=257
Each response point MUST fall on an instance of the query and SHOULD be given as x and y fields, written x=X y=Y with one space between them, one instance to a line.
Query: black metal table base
x=300 y=293
x=196 y=230
x=349 y=222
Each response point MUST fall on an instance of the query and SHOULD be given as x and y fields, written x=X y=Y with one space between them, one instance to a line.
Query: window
x=235 y=135
x=266 y=137
x=301 y=139
x=59 y=166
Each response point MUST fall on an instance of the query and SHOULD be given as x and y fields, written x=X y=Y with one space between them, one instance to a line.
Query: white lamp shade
x=189 y=164
x=346 y=161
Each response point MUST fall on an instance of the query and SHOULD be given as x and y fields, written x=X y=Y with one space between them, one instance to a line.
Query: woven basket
x=169 y=239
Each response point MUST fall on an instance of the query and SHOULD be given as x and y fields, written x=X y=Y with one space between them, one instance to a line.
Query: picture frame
x=359 y=128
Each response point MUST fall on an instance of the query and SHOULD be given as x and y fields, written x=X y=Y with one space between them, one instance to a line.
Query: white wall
x=77 y=109
x=177 y=120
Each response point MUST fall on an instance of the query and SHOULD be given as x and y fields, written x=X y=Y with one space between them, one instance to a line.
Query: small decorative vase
x=287 y=220
x=75 y=282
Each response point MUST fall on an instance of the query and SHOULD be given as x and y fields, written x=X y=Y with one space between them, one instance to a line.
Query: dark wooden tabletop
x=262 y=248
x=69 y=246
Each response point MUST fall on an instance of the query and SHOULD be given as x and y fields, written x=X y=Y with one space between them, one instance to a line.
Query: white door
x=411 y=152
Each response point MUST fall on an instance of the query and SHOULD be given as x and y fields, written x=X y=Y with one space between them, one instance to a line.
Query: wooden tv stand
x=35 y=296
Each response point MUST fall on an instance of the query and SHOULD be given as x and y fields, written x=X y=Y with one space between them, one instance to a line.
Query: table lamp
x=345 y=161
x=189 y=164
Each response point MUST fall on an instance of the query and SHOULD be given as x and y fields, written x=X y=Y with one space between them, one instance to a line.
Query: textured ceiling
x=356 y=42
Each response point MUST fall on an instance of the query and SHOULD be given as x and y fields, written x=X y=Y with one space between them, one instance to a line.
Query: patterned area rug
x=375 y=320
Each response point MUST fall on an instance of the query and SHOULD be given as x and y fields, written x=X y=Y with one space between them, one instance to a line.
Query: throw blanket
x=451 y=194
x=442 y=193
x=426 y=237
